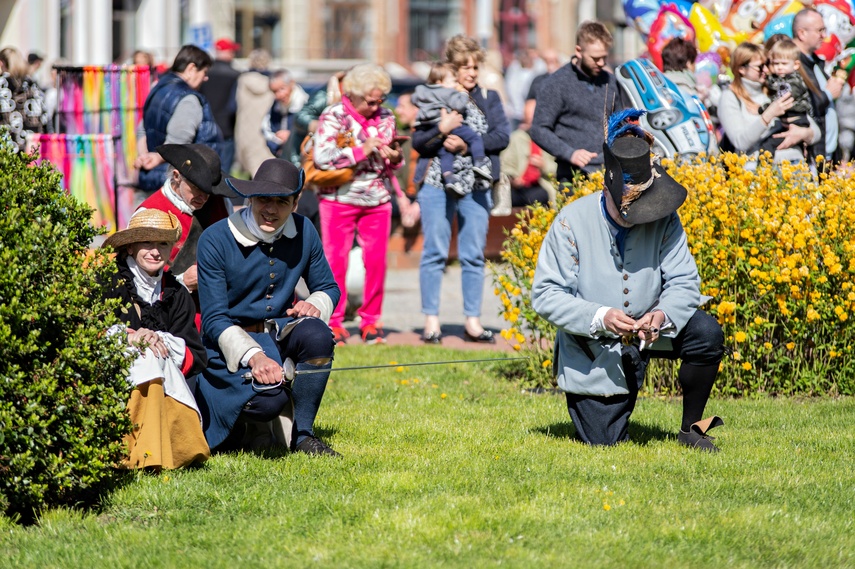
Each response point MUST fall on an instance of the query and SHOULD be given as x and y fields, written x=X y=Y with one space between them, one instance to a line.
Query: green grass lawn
x=453 y=467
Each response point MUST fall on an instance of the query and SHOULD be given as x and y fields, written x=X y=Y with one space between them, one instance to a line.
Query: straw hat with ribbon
x=153 y=225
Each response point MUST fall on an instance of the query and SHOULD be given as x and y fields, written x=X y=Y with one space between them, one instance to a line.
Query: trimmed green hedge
x=62 y=378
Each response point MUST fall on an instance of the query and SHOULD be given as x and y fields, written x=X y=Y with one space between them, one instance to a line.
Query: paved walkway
x=404 y=322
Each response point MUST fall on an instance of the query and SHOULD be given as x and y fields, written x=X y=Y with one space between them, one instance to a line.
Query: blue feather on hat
x=625 y=123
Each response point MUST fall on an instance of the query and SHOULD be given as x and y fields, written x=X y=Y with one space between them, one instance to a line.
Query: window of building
x=432 y=22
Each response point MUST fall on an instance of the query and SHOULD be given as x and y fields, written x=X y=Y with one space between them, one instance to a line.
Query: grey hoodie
x=431 y=99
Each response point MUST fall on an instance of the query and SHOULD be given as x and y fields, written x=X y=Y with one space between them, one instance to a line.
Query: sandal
x=485 y=337
x=432 y=337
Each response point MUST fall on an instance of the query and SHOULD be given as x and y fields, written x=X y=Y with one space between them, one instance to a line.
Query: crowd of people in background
x=221 y=158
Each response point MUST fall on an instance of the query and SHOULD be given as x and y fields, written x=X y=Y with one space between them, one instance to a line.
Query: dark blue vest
x=159 y=108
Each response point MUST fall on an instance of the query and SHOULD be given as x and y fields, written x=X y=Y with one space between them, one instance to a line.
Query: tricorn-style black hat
x=275 y=178
x=638 y=185
x=200 y=164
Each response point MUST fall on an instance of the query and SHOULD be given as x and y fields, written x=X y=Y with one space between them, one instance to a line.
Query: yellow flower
x=791 y=345
x=740 y=336
x=606 y=507
x=546 y=364
x=746 y=366
x=443 y=396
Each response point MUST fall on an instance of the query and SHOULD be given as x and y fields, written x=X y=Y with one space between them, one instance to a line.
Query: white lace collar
x=148 y=287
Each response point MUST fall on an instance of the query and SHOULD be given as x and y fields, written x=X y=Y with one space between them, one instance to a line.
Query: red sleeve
x=188 y=361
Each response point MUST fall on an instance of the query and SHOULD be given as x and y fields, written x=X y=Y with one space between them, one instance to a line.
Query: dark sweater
x=220 y=90
x=569 y=115
x=819 y=102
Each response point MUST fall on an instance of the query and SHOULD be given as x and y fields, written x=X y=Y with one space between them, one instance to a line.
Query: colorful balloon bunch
x=717 y=26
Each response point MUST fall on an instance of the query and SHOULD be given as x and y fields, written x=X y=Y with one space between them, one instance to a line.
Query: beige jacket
x=515 y=157
x=254 y=99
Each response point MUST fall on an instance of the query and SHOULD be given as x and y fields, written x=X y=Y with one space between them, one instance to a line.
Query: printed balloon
x=709 y=31
x=640 y=14
x=779 y=25
x=669 y=24
x=840 y=26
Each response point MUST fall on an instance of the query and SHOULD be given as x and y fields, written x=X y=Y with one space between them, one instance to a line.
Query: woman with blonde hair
x=359 y=133
x=22 y=102
x=484 y=115
x=744 y=125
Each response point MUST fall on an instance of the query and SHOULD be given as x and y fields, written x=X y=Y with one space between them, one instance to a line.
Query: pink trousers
x=371 y=224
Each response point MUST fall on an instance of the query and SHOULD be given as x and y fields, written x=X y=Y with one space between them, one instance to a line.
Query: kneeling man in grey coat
x=616 y=277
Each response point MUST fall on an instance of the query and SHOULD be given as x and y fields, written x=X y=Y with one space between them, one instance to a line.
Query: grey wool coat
x=579 y=269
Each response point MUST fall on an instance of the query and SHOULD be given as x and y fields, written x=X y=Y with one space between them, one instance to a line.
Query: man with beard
x=571 y=104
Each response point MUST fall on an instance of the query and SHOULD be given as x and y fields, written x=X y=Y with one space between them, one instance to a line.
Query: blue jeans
x=473 y=217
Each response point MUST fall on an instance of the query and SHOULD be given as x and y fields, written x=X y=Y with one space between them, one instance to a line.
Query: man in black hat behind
x=196 y=193
x=253 y=324
x=616 y=277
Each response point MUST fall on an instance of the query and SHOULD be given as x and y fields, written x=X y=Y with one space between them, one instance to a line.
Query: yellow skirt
x=166 y=434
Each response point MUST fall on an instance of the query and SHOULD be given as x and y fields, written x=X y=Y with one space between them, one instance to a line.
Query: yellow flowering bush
x=775 y=253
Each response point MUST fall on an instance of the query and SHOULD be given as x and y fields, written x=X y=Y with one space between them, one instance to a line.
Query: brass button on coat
x=626 y=303
x=272 y=275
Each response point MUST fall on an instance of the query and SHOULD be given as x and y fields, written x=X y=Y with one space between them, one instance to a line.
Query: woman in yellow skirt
x=159 y=317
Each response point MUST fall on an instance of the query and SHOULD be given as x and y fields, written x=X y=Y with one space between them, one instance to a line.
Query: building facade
x=304 y=35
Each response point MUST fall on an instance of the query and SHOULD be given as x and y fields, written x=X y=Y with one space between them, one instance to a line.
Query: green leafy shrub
x=62 y=378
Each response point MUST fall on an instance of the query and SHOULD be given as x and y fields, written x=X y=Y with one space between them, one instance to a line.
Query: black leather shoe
x=312 y=445
x=697 y=436
x=696 y=440
x=485 y=337
x=432 y=338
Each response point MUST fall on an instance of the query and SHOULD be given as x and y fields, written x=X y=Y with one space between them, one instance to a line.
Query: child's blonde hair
x=787 y=49
x=439 y=71
x=784 y=49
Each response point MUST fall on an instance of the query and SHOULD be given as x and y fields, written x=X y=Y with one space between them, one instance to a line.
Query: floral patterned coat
x=371 y=183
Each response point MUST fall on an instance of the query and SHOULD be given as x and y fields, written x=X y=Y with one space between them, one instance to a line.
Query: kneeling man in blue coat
x=616 y=277
x=249 y=265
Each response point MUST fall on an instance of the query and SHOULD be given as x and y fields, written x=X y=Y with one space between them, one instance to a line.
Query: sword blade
x=414 y=364
x=248 y=375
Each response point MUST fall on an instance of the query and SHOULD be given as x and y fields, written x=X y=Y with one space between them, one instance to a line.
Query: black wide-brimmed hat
x=200 y=164
x=149 y=224
x=637 y=183
x=275 y=178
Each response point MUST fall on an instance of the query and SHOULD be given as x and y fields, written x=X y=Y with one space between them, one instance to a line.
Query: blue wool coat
x=579 y=270
x=242 y=282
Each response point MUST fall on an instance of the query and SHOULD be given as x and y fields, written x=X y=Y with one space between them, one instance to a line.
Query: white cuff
x=244 y=361
x=322 y=302
x=598 y=325
x=176 y=347
x=234 y=342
